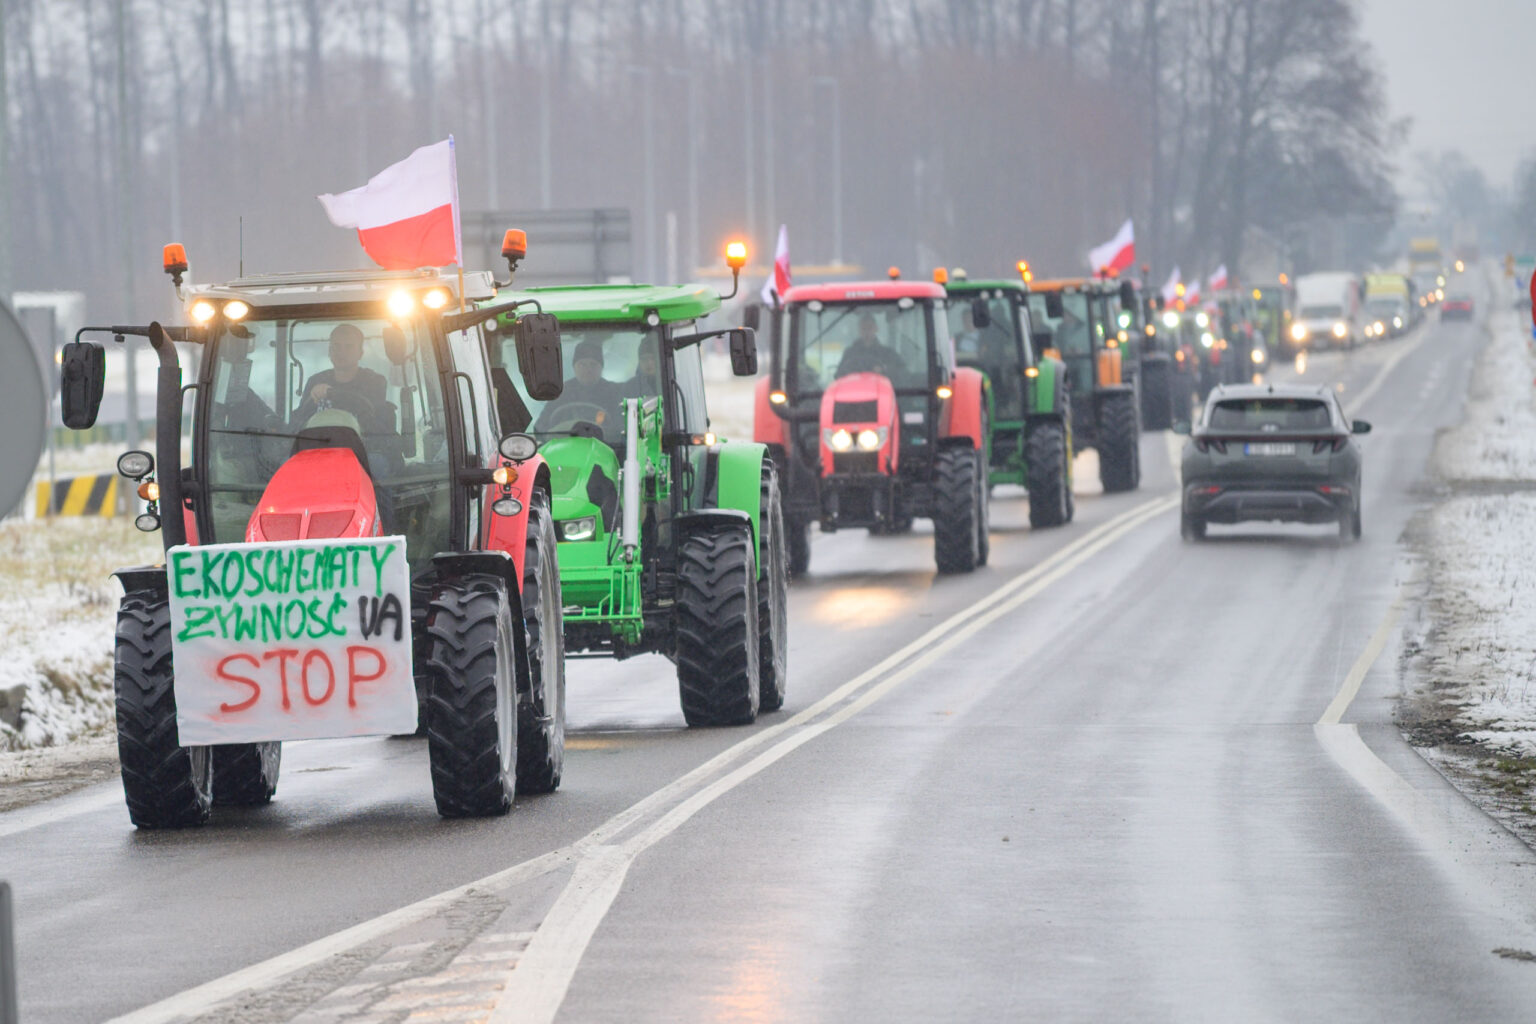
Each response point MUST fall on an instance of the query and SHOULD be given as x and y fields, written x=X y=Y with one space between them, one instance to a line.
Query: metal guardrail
x=8 y=1011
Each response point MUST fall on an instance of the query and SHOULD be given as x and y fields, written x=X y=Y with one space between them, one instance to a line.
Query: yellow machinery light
x=1123 y=337
x=504 y=475
x=401 y=303
x=1179 y=355
x=1257 y=295
x=1285 y=279
x=1031 y=371
x=234 y=309
x=1179 y=290
x=203 y=311
x=1151 y=330
x=1112 y=343
x=777 y=397
x=894 y=273
x=940 y=275
x=437 y=298
x=149 y=490
x=736 y=255
x=1024 y=272
x=944 y=391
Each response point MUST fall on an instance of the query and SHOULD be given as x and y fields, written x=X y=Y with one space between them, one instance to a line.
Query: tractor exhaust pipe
x=630 y=531
x=173 y=527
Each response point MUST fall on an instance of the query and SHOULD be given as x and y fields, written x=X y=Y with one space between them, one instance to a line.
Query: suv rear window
x=1270 y=413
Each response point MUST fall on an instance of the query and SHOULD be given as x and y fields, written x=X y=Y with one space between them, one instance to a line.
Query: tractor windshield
x=993 y=349
x=279 y=386
x=1069 y=332
x=834 y=339
x=603 y=364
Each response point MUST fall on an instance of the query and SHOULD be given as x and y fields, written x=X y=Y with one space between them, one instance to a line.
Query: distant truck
x=1390 y=309
x=1424 y=257
x=1327 y=311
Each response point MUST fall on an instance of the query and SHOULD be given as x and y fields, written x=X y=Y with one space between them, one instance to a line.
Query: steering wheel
x=569 y=415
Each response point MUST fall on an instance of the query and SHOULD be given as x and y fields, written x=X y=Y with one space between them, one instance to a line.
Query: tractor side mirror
x=1181 y=427
x=981 y=314
x=1360 y=427
x=538 y=354
x=743 y=341
x=1127 y=296
x=752 y=316
x=1054 y=307
x=82 y=379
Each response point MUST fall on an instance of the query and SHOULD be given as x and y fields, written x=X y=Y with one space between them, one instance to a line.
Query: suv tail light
x=1337 y=444
x=1205 y=445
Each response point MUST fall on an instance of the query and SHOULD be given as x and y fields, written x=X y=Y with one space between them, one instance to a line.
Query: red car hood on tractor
x=317 y=493
x=858 y=403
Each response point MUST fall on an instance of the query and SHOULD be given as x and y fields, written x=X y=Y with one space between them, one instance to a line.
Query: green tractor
x=670 y=540
x=1084 y=318
x=1030 y=412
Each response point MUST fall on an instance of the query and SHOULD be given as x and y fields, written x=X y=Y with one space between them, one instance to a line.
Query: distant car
x=1272 y=454
x=1456 y=307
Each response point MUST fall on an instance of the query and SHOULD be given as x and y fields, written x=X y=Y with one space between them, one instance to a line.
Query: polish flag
x=779 y=281
x=1171 y=289
x=1219 y=279
x=1192 y=295
x=407 y=216
x=1115 y=255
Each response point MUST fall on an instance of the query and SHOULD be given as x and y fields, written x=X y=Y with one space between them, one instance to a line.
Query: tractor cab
x=871 y=420
x=354 y=406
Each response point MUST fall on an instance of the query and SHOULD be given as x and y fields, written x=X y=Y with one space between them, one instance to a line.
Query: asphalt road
x=1111 y=776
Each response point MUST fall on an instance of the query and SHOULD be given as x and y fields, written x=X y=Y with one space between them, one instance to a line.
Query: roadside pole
x=8 y=1012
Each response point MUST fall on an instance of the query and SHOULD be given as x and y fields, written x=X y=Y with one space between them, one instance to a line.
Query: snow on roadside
x=1480 y=548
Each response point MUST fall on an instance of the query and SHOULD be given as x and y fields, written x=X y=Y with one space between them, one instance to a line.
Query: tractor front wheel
x=1119 y=443
x=1157 y=396
x=1045 y=454
x=797 y=538
x=471 y=697
x=957 y=514
x=772 y=599
x=718 y=674
x=245 y=774
x=167 y=785
x=541 y=719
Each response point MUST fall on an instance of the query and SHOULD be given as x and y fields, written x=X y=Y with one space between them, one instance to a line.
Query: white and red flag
x=779 y=281
x=407 y=216
x=1171 y=289
x=1219 y=279
x=1192 y=295
x=1115 y=255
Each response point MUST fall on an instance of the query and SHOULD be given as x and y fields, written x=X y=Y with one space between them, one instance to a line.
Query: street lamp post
x=837 y=164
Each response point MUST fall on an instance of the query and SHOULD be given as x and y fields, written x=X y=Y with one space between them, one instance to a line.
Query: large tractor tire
x=1119 y=443
x=167 y=785
x=1050 y=491
x=541 y=718
x=471 y=697
x=1157 y=386
x=957 y=510
x=797 y=543
x=983 y=514
x=245 y=774
x=772 y=600
x=718 y=675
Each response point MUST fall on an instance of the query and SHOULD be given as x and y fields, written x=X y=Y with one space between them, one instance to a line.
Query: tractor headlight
x=871 y=440
x=234 y=309
x=1397 y=323
x=1258 y=357
x=839 y=440
x=1207 y=339
x=1171 y=320
x=584 y=528
x=1340 y=330
x=203 y=311
x=1202 y=320
x=1299 y=332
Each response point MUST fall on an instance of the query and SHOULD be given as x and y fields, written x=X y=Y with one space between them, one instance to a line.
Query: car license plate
x=1269 y=448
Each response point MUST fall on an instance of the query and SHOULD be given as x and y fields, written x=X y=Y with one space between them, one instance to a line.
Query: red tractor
x=331 y=411
x=870 y=420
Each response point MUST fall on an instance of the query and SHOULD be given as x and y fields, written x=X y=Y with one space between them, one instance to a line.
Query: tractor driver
x=587 y=388
x=867 y=354
x=348 y=385
x=647 y=378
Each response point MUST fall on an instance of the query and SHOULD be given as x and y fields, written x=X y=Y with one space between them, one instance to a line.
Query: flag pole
x=462 y=307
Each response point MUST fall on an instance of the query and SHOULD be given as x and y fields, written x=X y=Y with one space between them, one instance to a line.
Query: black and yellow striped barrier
x=78 y=496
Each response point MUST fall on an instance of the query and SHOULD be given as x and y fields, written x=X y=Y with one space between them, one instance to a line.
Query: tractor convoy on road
x=411 y=496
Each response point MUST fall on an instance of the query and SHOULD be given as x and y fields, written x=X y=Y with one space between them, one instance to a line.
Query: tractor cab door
x=469 y=383
x=687 y=417
x=999 y=347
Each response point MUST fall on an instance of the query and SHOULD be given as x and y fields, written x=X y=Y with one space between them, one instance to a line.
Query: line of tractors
x=546 y=456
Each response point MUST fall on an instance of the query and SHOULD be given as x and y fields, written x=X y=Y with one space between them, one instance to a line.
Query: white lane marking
x=562 y=939
x=1175 y=444
x=1346 y=695
x=95 y=798
x=205 y=997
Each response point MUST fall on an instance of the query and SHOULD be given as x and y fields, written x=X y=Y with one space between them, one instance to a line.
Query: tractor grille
x=855 y=412
x=856 y=462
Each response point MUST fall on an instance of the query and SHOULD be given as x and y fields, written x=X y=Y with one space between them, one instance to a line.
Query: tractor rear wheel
x=1119 y=443
x=956 y=510
x=167 y=785
x=1156 y=396
x=1045 y=455
x=245 y=774
x=717 y=631
x=772 y=600
x=471 y=697
x=541 y=719
x=983 y=514
x=797 y=537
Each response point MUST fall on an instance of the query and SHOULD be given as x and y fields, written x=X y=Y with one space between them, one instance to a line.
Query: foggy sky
x=1463 y=71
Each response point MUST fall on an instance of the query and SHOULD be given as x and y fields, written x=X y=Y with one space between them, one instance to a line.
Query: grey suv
x=1272 y=453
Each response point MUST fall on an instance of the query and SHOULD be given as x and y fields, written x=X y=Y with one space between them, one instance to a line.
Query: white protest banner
x=291 y=640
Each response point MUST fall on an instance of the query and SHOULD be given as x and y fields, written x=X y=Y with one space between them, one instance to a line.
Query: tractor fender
x=1048 y=391
x=140 y=579
x=736 y=473
x=967 y=408
x=508 y=534
x=768 y=427
x=451 y=564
